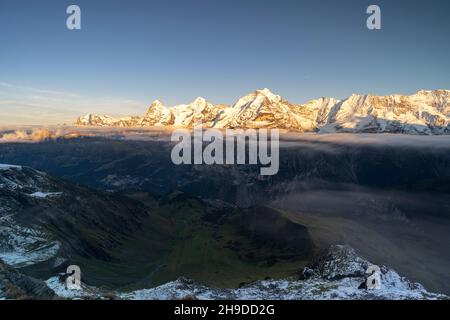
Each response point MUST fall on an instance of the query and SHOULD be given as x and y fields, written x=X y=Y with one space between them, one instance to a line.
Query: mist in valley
x=385 y=195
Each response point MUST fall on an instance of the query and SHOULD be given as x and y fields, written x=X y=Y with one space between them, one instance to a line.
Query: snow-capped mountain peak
x=199 y=101
x=157 y=114
x=257 y=97
x=269 y=95
x=92 y=119
x=425 y=112
x=157 y=104
x=200 y=104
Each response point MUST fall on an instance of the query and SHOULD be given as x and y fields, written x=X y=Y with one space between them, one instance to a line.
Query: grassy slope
x=185 y=237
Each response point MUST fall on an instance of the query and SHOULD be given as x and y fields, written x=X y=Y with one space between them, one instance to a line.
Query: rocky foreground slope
x=338 y=274
x=15 y=285
x=426 y=112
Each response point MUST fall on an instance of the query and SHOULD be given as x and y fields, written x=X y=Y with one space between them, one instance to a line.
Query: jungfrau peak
x=259 y=109
x=426 y=112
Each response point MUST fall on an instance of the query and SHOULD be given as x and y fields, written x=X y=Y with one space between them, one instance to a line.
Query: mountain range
x=426 y=112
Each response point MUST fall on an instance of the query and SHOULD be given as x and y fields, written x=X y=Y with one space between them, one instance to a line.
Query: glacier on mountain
x=424 y=113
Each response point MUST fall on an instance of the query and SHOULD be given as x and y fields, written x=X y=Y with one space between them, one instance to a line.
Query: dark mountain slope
x=135 y=240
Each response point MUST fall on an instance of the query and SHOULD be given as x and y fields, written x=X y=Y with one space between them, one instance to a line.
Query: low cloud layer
x=329 y=141
x=319 y=142
x=39 y=134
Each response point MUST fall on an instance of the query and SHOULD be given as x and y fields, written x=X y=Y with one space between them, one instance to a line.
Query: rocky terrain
x=43 y=218
x=17 y=286
x=337 y=274
x=135 y=246
x=425 y=113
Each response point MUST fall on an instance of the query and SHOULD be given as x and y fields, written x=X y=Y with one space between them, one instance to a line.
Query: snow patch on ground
x=58 y=285
x=43 y=195
x=9 y=166
x=60 y=289
x=395 y=288
x=21 y=246
x=338 y=275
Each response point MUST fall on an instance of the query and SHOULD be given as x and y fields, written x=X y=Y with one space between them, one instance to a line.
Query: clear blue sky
x=129 y=53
